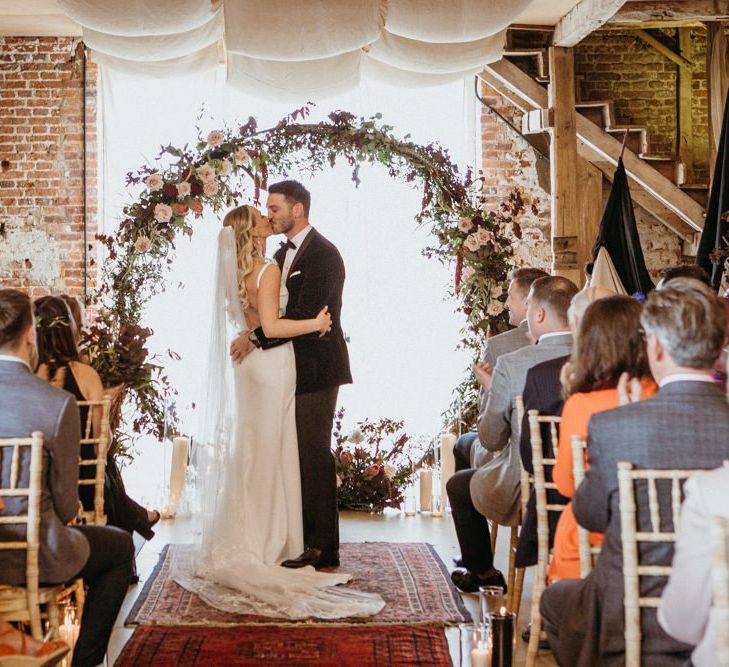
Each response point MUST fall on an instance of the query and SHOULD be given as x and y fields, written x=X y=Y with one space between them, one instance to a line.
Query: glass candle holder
x=491 y=600
x=436 y=507
x=409 y=505
x=481 y=646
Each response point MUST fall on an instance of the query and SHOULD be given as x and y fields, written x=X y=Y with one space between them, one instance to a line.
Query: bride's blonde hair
x=247 y=251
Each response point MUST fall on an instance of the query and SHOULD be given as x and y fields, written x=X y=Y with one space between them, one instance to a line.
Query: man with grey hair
x=683 y=426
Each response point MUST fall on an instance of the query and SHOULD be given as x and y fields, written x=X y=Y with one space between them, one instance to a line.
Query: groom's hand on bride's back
x=240 y=347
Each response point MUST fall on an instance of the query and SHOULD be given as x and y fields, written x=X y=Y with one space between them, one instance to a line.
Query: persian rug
x=410 y=577
x=290 y=645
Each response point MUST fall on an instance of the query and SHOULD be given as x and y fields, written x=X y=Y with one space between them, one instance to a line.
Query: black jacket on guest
x=542 y=392
x=315 y=280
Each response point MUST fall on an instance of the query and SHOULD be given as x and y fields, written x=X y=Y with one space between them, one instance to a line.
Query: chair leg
x=54 y=618
x=494 y=530
x=511 y=576
x=80 y=596
x=516 y=595
x=540 y=582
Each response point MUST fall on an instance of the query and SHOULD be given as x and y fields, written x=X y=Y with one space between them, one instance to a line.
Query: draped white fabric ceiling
x=280 y=48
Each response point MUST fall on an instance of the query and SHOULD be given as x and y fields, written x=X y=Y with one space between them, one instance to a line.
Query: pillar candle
x=447 y=464
x=180 y=449
x=502 y=633
x=426 y=489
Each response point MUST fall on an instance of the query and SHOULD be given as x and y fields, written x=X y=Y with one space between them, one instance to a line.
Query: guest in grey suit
x=684 y=425
x=101 y=555
x=490 y=489
x=520 y=281
x=685 y=611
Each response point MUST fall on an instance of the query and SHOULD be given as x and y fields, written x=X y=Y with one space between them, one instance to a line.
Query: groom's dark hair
x=16 y=315
x=294 y=192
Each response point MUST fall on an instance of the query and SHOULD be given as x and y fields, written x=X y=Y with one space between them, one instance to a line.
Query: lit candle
x=481 y=653
x=447 y=463
x=426 y=489
x=502 y=628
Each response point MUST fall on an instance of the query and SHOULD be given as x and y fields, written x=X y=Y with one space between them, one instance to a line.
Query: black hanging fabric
x=619 y=236
x=714 y=235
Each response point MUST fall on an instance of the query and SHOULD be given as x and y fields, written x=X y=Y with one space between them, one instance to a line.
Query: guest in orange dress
x=608 y=344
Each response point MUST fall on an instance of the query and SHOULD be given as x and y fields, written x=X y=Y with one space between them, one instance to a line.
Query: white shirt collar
x=685 y=377
x=11 y=357
x=553 y=334
x=297 y=240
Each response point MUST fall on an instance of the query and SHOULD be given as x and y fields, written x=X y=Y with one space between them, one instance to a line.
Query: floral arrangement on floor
x=374 y=463
x=230 y=166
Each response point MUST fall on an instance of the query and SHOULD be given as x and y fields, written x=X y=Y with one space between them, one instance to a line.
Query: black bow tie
x=288 y=244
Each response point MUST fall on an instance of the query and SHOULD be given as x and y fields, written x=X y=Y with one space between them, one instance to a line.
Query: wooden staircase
x=655 y=180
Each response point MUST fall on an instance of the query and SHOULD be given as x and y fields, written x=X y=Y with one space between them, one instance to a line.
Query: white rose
x=496 y=291
x=142 y=244
x=183 y=189
x=162 y=213
x=154 y=182
x=483 y=235
x=465 y=225
x=389 y=471
x=210 y=188
x=495 y=308
x=472 y=243
x=216 y=138
x=468 y=273
x=356 y=437
x=225 y=167
x=241 y=155
x=205 y=173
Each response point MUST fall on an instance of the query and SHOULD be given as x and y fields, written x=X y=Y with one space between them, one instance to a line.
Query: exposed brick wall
x=41 y=177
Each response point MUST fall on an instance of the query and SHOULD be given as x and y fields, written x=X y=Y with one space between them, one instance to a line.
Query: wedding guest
x=101 y=555
x=490 y=489
x=78 y=316
x=520 y=281
x=683 y=271
x=543 y=392
x=685 y=611
x=609 y=344
x=683 y=426
x=60 y=364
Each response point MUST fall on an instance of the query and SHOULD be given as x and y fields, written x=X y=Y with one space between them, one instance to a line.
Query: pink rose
x=472 y=243
x=180 y=209
x=468 y=273
x=216 y=138
x=346 y=457
x=154 y=182
x=205 y=173
x=210 y=188
x=483 y=236
x=495 y=308
x=465 y=225
x=183 y=189
x=241 y=155
x=496 y=291
x=162 y=213
x=142 y=244
x=373 y=471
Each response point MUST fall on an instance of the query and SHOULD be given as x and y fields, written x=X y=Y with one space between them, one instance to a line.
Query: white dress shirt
x=291 y=252
x=685 y=377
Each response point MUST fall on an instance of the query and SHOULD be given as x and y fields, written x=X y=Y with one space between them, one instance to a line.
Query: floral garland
x=228 y=166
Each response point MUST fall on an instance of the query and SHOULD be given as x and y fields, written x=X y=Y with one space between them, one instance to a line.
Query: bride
x=252 y=517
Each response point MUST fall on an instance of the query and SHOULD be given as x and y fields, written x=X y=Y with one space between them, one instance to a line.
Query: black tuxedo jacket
x=315 y=280
x=543 y=392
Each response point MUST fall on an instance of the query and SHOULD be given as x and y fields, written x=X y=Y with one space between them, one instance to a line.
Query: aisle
x=354 y=527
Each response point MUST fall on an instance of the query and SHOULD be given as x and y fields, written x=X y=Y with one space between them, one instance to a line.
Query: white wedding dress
x=251 y=517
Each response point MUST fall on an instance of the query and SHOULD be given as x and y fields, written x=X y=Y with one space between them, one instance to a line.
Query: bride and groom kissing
x=272 y=500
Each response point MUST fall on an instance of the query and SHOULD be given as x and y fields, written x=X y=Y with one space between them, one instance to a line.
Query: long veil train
x=248 y=481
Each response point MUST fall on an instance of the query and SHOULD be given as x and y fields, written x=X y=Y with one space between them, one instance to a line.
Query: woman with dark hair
x=60 y=364
x=609 y=343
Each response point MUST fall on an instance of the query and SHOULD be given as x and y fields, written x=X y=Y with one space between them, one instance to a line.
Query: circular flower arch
x=227 y=166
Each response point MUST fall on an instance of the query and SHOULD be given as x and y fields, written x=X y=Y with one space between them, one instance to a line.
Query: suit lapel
x=302 y=251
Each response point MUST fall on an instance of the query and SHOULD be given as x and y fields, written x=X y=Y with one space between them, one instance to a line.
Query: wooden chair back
x=100 y=442
x=633 y=570
x=588 y=553
x=12 y=488
x=720 y=584
x=541 y=486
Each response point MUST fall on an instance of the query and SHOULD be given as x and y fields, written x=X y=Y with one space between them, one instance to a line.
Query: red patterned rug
x=290 y=645
x=410 y=577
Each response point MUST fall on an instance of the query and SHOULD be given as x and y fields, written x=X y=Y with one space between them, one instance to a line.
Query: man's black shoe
x=543 y=642
x=458 y=562
x=314 y=557
x=468 y=582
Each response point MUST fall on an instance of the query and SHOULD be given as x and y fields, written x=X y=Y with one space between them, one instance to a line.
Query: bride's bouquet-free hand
x=374 y=463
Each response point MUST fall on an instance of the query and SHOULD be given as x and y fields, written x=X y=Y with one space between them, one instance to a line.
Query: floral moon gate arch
x=224 y=169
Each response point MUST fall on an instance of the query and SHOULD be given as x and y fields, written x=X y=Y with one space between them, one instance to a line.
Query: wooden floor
x=354 y=527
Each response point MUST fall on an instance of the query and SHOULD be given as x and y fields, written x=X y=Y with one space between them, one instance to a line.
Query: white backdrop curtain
x=285 y=47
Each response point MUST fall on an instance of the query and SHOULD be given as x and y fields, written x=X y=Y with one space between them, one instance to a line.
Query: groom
x=313 y=272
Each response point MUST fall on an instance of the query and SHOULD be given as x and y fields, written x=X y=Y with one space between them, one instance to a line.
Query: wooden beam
x=663 y=49
x=672 y=10
x=589 y=210
x=585 y=17
x=685 y=128
x=563 y=163
x=595 y=145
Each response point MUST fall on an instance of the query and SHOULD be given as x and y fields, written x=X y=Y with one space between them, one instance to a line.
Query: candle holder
x=482 y=646
x=491 y=600
x=409 y=505
x=436 y=507
x=503 y=625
